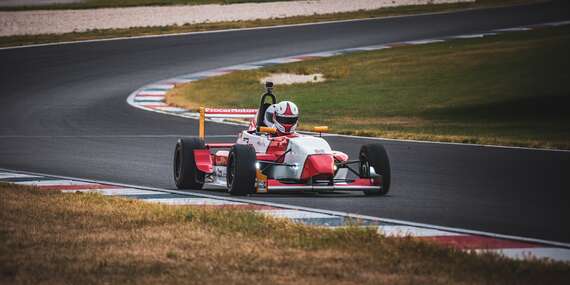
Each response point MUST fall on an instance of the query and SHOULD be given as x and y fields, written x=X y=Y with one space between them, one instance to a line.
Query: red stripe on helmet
x=288 y=111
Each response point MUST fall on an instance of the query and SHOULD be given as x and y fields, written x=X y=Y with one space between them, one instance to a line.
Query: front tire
x=375 y=155
x=186 y=174
x=241 y=170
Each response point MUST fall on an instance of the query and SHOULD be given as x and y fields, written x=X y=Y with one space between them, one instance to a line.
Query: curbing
x=473 y=241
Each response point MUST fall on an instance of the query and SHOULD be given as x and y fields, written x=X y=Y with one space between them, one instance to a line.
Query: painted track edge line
x=308 y=209
x=262 y=27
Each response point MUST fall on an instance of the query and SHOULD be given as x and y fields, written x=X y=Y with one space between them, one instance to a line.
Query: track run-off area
x=64 y=113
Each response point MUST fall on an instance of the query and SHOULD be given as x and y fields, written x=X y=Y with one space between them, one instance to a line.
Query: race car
x=264 y=160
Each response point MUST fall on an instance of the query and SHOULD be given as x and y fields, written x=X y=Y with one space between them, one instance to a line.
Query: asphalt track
x=63 y=112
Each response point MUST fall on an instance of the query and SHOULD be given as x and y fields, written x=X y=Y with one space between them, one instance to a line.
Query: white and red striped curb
x=513 y=247
x=151 y=97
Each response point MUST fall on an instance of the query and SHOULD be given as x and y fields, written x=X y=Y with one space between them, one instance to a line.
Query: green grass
x=141 y=31
x=49 y=237
x=511 y=89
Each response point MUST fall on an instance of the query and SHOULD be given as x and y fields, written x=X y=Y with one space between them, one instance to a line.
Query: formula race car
x=263 y=160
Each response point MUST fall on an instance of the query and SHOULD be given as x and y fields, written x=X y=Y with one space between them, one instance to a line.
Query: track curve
x=64 y=113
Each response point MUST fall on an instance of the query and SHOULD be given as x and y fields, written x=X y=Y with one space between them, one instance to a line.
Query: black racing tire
x=186 y=174
x=376 y=156
x=241 y=170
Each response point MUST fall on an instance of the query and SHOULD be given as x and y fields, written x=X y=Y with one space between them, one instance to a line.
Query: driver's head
x=285 y=117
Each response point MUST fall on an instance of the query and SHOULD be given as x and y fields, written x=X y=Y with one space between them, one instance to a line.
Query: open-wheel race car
x=265 y=160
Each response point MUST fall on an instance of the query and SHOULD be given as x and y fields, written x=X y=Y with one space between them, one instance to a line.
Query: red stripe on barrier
x=478 y=242
x=77 y=187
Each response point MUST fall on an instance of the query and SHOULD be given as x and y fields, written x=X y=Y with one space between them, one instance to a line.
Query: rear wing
x=222 y=114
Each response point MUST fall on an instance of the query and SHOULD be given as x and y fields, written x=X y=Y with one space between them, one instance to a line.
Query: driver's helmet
x=285 y=117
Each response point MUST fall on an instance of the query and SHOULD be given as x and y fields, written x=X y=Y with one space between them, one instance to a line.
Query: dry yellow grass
x=50 y=237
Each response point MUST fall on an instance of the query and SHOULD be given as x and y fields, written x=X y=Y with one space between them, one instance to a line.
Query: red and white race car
x=262 y=161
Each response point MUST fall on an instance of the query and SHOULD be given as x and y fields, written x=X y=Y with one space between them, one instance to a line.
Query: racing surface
x=64 y=113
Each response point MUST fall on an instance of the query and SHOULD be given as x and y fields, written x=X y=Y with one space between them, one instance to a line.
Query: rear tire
x=186 y=174
x=376 y=156
x=241 y=170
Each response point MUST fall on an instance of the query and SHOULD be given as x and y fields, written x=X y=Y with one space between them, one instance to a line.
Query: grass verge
x=50 y=237
x=510 y=89
x=142 y=31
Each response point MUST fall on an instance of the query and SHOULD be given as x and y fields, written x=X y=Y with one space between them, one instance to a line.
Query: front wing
x=359 y=184
x=263 y=184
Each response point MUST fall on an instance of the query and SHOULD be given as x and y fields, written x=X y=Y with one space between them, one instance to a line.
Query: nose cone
x=318 y=165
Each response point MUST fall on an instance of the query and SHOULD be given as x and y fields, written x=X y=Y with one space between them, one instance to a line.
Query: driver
x=282 y=116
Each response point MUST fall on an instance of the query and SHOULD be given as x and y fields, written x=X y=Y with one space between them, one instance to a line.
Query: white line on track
x=192 y=201
x=315 y=210
x=473 y=36
x=16 y=175
x=423 y=42
x=116 y=192
x=53 y=183
x=146 y=104
x=156 y=93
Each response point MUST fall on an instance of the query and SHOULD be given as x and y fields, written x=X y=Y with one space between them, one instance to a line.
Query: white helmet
x=285 y=117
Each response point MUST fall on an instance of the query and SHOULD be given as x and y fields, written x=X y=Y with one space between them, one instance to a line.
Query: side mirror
x=267 y=130
x=321 y=129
